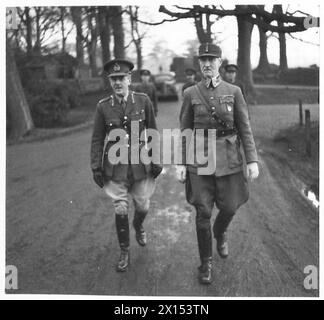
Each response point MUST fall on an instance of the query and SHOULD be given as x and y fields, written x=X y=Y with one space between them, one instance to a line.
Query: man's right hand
x=98 y=178
x=181 y=173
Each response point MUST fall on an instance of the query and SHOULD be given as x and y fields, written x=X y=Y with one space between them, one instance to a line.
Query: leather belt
x=221 y=132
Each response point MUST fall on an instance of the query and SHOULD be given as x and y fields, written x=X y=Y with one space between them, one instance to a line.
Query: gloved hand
x=252 y=170
x=181 y=173
x=98 y=178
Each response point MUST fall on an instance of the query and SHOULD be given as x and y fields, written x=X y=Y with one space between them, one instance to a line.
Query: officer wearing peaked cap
x=218 y=111
x=124 y=110
x=148 y=87
x=191 y=78
x=230 y=76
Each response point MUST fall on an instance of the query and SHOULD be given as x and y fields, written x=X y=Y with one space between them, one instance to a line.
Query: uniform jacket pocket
x=234 y=156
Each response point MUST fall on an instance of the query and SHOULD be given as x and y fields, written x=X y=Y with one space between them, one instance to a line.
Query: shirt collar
x=120 y=99
x=215 y=81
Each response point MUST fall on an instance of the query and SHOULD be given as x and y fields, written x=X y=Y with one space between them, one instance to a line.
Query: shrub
x=300 y=76
x=49 y=102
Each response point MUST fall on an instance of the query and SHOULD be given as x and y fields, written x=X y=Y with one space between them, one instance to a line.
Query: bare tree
x=247 y=16
x=64 y=15
x=283 y=64
x=20 y=121
x=77 y=20
x=137 y=36
x=203 y=34
x=263 y=66
x=244 y=49
x=104 y=32
x=91 y=38
x=118 y=31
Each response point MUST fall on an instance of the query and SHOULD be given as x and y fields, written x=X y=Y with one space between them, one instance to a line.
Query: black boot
x=204 y=238
x=140 y=233
x=205 y=251
x=123 y=260
x=220 y=226
x=222 y=245
x=205 y=271
x=122 y=227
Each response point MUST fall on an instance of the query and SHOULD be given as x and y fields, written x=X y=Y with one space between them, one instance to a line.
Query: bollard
x=307 y=133
x=300 y=112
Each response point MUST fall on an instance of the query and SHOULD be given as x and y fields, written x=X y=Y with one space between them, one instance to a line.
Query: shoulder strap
x=215 y=114
x=205 y=102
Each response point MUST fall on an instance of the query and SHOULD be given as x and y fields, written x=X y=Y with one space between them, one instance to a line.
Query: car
x=165 y=84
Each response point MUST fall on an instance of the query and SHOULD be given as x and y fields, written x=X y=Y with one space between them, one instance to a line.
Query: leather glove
x=98 y=178
x=181 y=173
x=156 y=169
x=252 y=170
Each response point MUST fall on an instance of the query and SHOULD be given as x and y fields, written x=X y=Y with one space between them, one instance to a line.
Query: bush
x=50 y=102
x=300 y=76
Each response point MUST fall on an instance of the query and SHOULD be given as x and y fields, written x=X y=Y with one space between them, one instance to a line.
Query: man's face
x=120 y=84
x=190 y=77
x=230 y=76
x=209 y=66
x=145 y=78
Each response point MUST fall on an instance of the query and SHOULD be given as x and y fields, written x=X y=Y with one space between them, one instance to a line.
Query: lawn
x=285 y=96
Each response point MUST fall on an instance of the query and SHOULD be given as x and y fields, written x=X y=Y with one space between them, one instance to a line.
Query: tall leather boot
x=205 y=251
x=140 y=233
x=220 y=227
x=122 y=227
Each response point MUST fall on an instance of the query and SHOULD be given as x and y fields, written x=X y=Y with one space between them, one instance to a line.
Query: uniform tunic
x=227 y=100
x=110 y=114
x=150 y=90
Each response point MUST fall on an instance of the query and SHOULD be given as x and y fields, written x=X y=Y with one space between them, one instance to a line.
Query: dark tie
x=123 y=104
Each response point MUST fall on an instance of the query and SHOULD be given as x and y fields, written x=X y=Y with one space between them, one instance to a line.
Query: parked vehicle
x=165 y=84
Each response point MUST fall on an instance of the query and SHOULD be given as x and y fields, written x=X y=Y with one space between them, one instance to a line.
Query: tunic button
x=127 y=145
x=125 y=117
x=110 y=124
x=126 y=136
x=140 y=120
x=211 y=98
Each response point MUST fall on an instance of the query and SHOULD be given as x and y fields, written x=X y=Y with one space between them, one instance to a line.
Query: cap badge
x=206 y=47
x=229 y=108
x=116 y=67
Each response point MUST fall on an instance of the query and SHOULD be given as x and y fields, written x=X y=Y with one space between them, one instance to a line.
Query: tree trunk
x=104 y=32
x=37 y=45
x=283 y=65
x=263 y=66
x=139 y=55
x=20 y=120
x=92 y=44
x=62 y=15
x=243 y=56
x=77 y=19
x=28 y=31
x=118 y=32
x=203 y=36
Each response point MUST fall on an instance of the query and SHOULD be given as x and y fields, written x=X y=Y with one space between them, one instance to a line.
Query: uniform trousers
x=227 y=192
x=119 y=191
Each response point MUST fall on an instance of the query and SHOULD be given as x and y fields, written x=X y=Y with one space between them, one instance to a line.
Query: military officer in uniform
x=191 y=78
x=122 y=110
x=147 y=87
x=230 y=77
x=216 y=107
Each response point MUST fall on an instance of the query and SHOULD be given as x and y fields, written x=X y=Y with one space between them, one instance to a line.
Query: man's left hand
x=252 y=170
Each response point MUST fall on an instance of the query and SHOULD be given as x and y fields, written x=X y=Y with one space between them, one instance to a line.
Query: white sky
x=175 y=34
